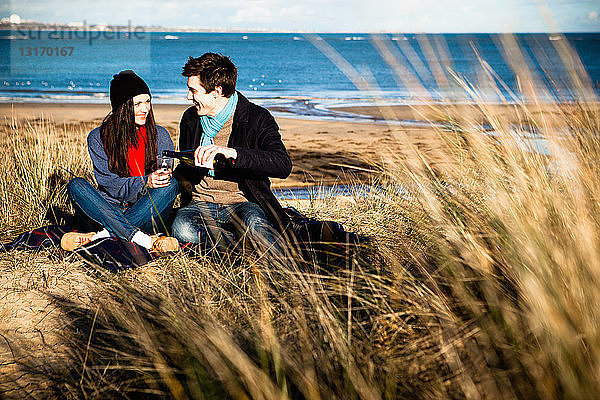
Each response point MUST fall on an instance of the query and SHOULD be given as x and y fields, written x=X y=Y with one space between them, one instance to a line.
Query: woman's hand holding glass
x=162 y=176
x=159 y=178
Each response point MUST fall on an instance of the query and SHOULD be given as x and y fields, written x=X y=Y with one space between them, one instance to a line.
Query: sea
x=307 y=75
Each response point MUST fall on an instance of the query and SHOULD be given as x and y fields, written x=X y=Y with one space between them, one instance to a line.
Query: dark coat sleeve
x=188 y=130
x=186 y=175
x=267 y=156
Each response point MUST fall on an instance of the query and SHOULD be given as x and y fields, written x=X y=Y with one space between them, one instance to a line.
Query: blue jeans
x=150 y=211
x=224 y=226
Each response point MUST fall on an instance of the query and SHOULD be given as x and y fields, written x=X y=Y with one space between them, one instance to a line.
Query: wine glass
x=164 y=163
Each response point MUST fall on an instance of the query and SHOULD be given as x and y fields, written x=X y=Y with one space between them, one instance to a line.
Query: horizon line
x=161 y=29
x=70 y=26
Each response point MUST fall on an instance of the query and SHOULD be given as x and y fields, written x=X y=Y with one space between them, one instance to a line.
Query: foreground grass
x=480 y=281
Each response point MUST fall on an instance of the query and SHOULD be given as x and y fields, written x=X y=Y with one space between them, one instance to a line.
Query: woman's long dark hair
x=118 y=132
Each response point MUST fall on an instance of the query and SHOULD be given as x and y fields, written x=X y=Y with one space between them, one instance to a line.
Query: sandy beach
x=323 y=152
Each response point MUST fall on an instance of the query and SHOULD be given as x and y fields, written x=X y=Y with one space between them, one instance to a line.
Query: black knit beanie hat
x=124 y=86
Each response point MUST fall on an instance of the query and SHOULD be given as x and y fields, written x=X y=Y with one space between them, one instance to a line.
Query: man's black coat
x=260 y=155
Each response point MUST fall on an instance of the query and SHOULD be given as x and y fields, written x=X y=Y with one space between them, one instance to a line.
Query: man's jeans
x=148 y=214
x=222 y=226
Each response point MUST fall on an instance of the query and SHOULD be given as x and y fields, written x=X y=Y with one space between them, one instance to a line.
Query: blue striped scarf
x=212 y=125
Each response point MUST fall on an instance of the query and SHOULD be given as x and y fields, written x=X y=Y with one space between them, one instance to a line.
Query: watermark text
x=90 y=33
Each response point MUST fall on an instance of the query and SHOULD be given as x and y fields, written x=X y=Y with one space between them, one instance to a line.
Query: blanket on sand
x=111 y=253
x=116 y=254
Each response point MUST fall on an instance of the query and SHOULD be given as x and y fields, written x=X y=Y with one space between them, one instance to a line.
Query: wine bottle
x=187 y=157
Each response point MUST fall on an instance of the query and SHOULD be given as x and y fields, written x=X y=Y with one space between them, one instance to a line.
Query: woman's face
x=141 y=108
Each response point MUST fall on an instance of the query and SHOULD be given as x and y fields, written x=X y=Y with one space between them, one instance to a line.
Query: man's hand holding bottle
x=204 y=156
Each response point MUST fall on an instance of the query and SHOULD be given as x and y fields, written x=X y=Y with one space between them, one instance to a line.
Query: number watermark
x=38 y=57
x=46 y=51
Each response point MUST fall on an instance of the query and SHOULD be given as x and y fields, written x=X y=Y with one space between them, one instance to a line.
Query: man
x=230 y=199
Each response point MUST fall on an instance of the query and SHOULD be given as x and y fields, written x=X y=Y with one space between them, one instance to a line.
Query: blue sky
x=326 y=15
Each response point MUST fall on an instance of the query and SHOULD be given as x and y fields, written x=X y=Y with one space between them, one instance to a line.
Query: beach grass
x=479 y=278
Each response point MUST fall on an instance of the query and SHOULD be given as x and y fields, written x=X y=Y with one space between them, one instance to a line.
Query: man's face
x=206 y=103
x=141 y=108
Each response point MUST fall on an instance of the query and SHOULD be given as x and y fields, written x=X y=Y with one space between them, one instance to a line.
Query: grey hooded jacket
x=117 y=190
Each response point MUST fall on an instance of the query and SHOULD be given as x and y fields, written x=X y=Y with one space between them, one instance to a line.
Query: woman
x=133 y=194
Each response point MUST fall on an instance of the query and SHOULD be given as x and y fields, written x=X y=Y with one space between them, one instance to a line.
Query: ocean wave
x=13 y=37
x=53 y=91
x=77 y=98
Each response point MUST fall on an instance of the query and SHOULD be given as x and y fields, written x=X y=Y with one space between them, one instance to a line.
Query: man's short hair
x=213 y=70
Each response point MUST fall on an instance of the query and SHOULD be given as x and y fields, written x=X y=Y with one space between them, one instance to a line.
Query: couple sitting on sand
x=220 y=205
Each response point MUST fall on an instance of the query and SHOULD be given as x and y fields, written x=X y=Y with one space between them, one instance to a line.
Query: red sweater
x=136 y=155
